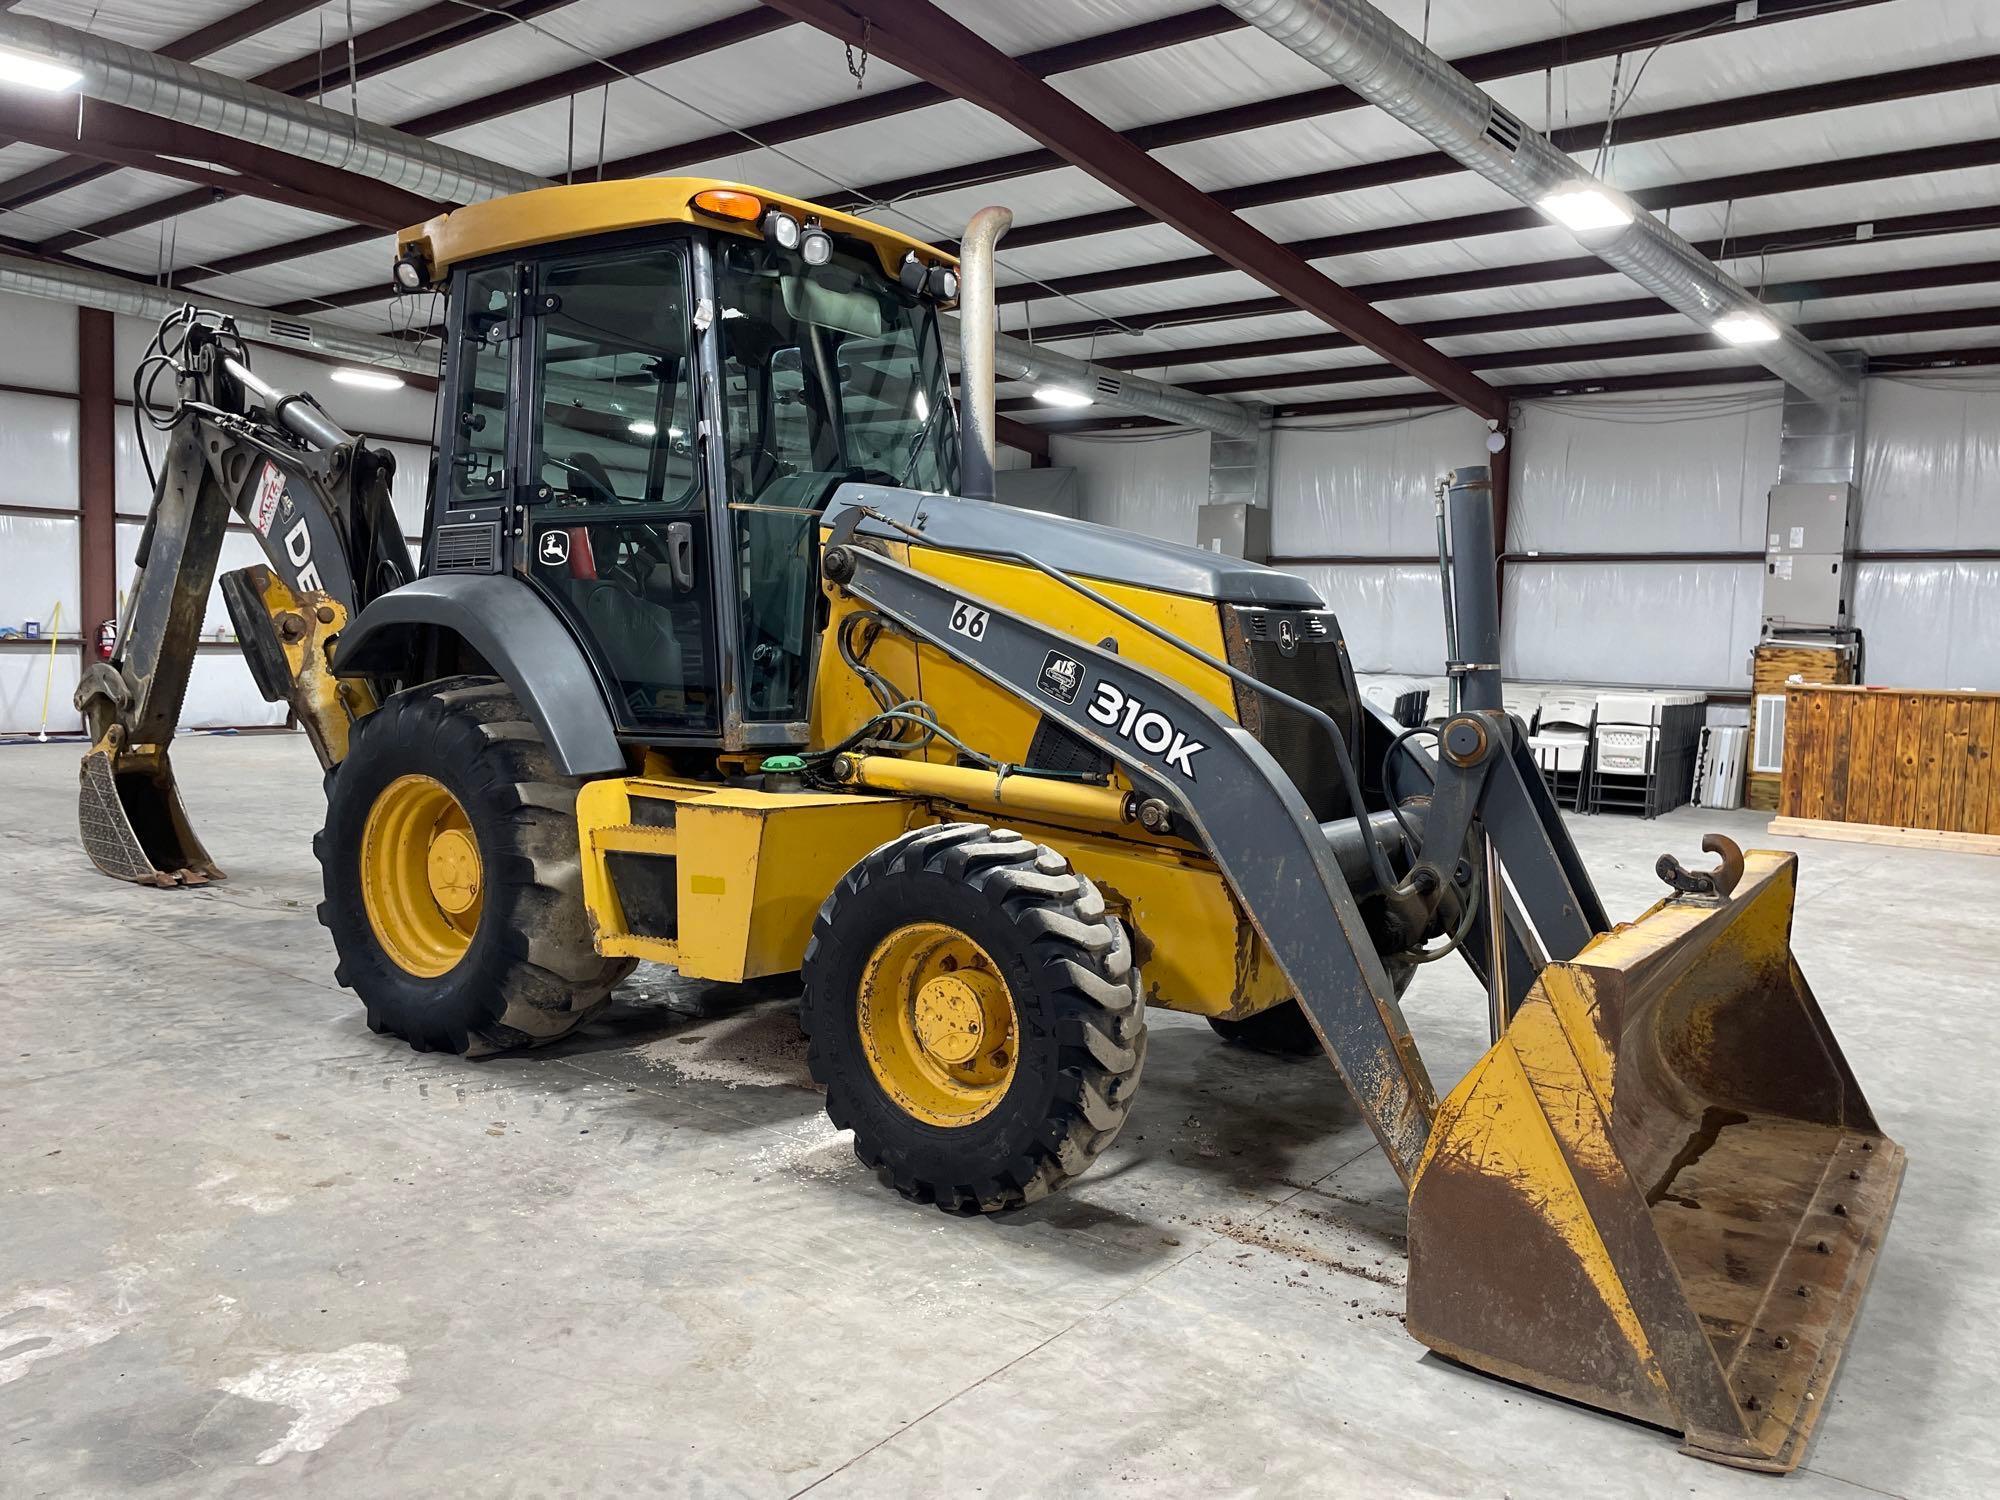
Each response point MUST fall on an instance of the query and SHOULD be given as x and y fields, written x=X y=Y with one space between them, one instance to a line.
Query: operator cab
x=654 y=389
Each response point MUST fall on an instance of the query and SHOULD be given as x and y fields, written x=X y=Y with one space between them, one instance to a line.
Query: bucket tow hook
x=1714 y=884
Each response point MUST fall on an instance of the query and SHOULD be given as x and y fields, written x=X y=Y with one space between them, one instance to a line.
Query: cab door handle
x=680 y=555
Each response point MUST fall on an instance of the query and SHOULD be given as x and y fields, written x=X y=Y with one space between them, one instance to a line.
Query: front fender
x=513 y=628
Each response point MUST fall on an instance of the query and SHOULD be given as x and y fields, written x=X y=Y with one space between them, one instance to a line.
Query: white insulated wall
x=1677 y=472
x=39 y=554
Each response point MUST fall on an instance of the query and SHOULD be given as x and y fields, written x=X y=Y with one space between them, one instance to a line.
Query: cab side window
x=479 y=461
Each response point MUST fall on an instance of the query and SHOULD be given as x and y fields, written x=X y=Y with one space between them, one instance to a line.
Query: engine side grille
x=1299 y=652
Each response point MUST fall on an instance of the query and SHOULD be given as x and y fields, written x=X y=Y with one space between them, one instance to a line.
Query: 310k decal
x=1147 y=728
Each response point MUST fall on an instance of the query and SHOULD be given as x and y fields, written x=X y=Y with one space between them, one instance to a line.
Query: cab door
x=618 y=534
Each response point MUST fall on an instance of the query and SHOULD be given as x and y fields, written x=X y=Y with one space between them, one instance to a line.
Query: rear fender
x=517 y=634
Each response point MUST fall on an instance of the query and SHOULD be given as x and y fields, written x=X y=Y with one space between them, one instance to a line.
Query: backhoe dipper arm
x=1226 y=787
x=321 y=515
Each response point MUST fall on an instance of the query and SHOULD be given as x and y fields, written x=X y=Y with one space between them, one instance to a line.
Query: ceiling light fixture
x=1583 y=206
x=369 y=380
x=33 y=72
x=1061 y=395
x=1745 y=328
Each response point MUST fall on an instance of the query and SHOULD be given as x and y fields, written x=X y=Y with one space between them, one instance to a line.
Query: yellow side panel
x=1002 y=725
x=1195 y=951
x=751 y=868
x=841 y=702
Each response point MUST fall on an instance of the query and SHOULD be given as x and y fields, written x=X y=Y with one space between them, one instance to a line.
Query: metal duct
x=114 y=294
x=1355 y=44
x=1017 y=359
x=117 y=74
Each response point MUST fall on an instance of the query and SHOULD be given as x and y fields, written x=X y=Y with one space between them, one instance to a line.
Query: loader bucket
x=134 y=827
x=1661 y=1192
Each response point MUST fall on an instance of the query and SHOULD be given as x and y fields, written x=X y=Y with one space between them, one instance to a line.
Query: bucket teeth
x=1661 y=1191
x=133 y=825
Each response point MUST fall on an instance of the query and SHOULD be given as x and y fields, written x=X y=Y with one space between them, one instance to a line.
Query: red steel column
x=1502 y=470
x=97 y=470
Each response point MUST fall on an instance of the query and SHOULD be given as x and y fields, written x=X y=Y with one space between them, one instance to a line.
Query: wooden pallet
x=1877 y=833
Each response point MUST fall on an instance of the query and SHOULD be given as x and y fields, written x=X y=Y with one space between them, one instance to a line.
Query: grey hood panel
x=1080 y=547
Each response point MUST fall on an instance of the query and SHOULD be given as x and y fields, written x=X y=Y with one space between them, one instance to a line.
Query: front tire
x=453 y=884
x=975 y=1016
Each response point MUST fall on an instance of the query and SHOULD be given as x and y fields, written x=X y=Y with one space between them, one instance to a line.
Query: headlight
x=781 y=229
x=818 y=247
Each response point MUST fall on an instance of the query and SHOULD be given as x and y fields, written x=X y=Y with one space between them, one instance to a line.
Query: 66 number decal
x=1149 y=729
x=969 y=620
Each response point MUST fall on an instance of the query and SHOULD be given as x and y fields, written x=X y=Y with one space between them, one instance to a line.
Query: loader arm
x=317 y=500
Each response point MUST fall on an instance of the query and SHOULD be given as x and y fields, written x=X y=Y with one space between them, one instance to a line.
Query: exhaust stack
x=976 y=330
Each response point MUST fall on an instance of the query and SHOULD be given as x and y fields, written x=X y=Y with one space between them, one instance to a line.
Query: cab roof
x=547 y=216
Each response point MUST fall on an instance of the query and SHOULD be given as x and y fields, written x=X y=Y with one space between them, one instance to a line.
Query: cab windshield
x=831 y=374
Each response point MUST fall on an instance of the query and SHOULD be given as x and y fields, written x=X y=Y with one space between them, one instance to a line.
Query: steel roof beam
x=1564 y=354
x=1515 y=320
x=1720 y=114
x=407 y=39
x=914 y=36
x=123 y=137
x=1840 y=172
x=1880 y=326
x=1067 y=57
x=1664 y=380
x=1528 y=273
x=1589 y=385
x=225 y=31
x=1089 y=51
x=1505 y=62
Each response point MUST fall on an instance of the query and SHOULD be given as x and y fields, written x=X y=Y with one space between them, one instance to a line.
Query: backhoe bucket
x=1661 y=1192
x=134 y=827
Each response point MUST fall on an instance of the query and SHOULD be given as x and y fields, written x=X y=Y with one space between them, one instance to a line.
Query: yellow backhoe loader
x=719 y=655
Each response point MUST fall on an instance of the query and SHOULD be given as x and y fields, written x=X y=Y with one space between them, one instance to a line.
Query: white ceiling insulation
x=1157 y=292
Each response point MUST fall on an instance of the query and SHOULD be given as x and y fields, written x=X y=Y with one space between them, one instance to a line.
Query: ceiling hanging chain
x=857 y=69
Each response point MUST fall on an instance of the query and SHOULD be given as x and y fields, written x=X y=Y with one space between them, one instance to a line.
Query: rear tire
x=1049 y=1078
x=516 y=966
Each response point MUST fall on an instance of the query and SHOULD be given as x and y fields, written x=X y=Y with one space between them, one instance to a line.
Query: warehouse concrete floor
x=245 y=1246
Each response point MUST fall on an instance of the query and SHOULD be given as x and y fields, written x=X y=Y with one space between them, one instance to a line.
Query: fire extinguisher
x=107 y=639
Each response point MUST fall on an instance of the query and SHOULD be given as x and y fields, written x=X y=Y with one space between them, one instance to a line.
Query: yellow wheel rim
x=937 y=1024
x=422 y=880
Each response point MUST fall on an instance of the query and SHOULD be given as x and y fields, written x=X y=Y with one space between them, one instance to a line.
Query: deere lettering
x=1147 y=728
x=299 y=548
